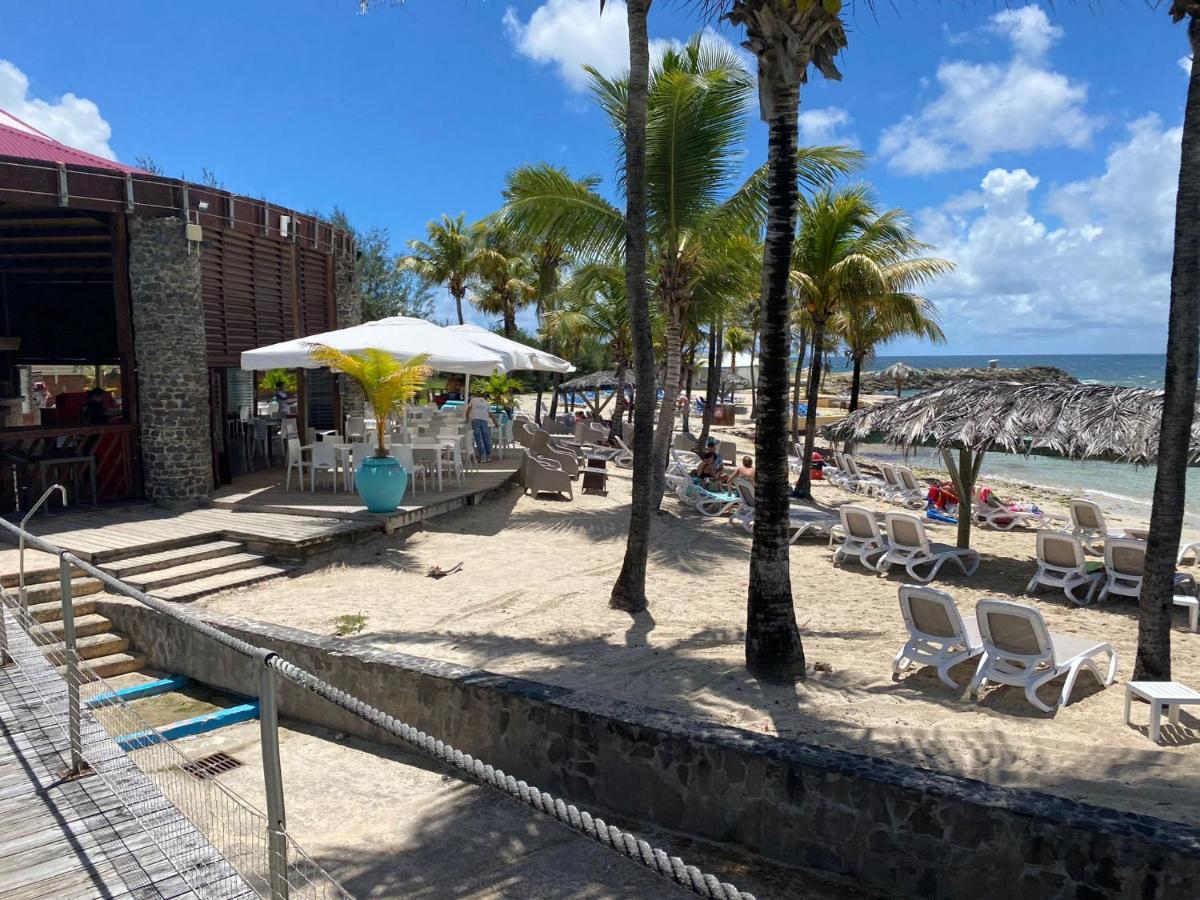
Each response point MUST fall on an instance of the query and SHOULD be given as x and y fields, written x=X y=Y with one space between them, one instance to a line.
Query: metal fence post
x=268 y=718
x=72 y=661
x=5 y=659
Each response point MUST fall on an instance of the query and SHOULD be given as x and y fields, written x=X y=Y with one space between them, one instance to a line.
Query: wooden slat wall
x=314 y=304
x=247 y=285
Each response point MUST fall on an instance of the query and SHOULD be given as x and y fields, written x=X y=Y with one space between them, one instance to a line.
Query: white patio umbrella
x=401 y=336
x=516 y=355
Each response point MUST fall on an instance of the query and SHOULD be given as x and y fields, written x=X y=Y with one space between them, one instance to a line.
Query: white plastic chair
x=1061 y=563
x=404 y=455
x=429 y=453
x=295 y=460
x=324 y=459
x=1019 y=650
x=860 y=536
x=359 y=451
x=938 y=635
x=1087 y=522
x=800 y=521
x=355 y=427
x=909 y=546
x=261 y=439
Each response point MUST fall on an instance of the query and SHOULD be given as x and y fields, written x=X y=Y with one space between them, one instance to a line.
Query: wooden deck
x=77 y=838
x=255 y=509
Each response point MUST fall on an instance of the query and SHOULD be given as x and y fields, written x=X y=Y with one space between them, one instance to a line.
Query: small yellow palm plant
x=387 y=382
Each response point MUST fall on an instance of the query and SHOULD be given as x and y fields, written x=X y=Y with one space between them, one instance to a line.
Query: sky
x=1035 y=146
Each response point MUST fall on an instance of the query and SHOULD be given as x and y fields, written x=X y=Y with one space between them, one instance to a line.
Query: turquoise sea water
x=1113 y=485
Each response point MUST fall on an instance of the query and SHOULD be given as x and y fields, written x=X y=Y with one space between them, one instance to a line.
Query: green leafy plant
x=387 y=382
x=278 y=380
x=498 y=387
x=349 y=624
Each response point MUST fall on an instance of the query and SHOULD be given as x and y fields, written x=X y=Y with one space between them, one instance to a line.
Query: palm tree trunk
x=856 y=382
x=629 y=591
x=774 y=652
x=666 y=412
x=795 y=416
x=804 y=485
x=617 y=428
x=537 y=406
x=753 y=386
x=554 y=396
x=510 y=322
x=691 y=372
x=1153 y=662
x=713 y=384
x=458 y=299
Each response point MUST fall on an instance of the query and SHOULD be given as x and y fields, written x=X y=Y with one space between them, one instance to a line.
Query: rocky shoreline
x=923 y=379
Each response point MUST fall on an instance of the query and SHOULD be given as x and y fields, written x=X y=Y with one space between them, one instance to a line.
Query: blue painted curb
x=137 y=691
x=243 y=712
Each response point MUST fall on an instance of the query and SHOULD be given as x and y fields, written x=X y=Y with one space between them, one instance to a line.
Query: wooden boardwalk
x=79 y=838
x=255 y=509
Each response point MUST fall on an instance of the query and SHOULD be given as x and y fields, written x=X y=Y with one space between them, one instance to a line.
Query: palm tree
x=1179 y=402
x=785 y=38
x=846 y=249
x=697 y=102
x=387 y=382
x=449 y=255
x=507 y=278
x=737 y=340
x=867 y=320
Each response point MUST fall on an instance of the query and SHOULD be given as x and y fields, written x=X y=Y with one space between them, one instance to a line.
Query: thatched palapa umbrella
x=1069 y=420
x=899 y=372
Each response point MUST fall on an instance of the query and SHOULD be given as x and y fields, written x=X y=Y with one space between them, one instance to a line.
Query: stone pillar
x=172 y=363
x=349 y=312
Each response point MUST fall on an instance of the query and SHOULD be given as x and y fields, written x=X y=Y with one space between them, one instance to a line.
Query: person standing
x=480 y=416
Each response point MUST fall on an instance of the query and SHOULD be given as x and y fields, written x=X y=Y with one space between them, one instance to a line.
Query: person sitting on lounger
x=745 y=471
x=711 y=464
x=941 y=496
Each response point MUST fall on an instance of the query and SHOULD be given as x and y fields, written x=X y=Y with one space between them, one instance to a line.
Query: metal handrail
x=22 y=533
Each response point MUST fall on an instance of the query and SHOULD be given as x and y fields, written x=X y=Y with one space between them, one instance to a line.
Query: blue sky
x=1037 y=147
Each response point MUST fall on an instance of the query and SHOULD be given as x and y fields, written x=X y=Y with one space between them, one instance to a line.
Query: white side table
x=1168 y=695
x=1192 y=605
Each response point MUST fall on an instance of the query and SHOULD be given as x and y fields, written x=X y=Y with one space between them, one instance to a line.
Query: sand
x=532 y=600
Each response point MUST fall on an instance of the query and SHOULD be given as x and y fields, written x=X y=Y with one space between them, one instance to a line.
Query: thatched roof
x=1068 y=420
x=730 y=382
x=597 y=380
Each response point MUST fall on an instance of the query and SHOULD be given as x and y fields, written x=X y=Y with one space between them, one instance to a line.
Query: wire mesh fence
x=217 y=841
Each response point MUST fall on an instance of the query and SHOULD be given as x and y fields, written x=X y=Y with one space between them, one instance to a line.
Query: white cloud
x=983 y=108
x=569 y=34
x=1088 y=271
x=73 y=120
x=825 y=127
x=1185 y=63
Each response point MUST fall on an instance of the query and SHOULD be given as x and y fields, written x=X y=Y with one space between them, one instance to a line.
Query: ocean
x=1121 y=487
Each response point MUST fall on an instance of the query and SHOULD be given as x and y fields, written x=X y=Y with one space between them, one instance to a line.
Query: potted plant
x=278 y=383
x=499 y=388
x=387 y=384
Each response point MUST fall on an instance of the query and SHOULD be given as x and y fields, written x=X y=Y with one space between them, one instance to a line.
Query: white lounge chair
x=909 y=546
x=938 y=635
x=1087 y=522
x=1061 y=563
x=800 y=521
x=864 y=483
x=1019 y=650
x=683 y=462
x=897 y=491
x=706 y=502
x=1125 y=567
x=860 y=536
x=914 y=491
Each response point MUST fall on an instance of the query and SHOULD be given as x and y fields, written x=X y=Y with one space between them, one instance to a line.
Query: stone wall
x=170 y=349
x=909 y=831
x=349 y=312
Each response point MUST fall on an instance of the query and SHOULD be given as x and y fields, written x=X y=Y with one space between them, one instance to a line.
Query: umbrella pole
x=467 y=387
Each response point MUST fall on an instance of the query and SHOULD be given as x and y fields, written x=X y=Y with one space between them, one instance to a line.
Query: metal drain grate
x=212 y=765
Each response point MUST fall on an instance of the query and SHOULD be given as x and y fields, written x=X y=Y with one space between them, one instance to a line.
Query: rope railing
x=624 y=842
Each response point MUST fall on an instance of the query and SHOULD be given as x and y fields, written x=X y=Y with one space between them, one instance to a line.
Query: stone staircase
x=185 y=570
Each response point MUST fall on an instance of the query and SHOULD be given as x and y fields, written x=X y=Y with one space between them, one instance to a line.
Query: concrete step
x=34 y=575
x=52 y=611
x=115 y=664
x=106 y=558
x=225 y=581
x=195 y=571
x=49 y=592
x=94 y=646
x=168 y=559
x=85 y=626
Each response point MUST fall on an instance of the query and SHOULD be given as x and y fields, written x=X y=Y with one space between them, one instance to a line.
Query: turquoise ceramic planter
x=381 y=482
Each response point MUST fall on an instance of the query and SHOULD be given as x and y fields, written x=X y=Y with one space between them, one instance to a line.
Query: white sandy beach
x=532 y=600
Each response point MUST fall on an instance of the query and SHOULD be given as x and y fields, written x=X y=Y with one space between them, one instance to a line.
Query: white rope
x=583 y=822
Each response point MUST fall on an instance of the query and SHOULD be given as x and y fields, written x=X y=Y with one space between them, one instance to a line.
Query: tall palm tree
x=506 y=276
x=697 y=101
x=847 y=249
x=737 y=341
x=867 y=320
x=1179 y=402
x=785 y=39
x=449 y=255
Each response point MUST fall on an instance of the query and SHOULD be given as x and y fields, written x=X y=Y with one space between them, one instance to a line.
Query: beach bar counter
x=126 y=300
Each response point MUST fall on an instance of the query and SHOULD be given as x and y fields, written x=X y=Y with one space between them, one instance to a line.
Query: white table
x=1192 y=605
x=1168 y=695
